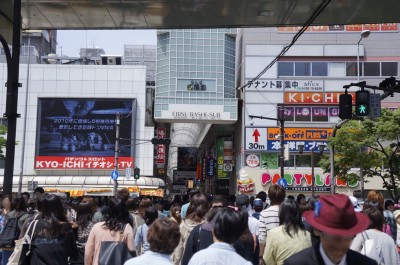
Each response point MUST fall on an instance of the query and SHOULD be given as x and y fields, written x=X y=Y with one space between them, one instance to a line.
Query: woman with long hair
x=53 y=238
x=289 y=237
x=175 y=212
x=196 y=213
x=116 y=222
x=83 y=225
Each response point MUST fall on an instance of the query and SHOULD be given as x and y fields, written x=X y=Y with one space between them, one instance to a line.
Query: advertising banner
x=287 y=85
x=384 y=27
x=160 y=155
x=208 y=85
x=221 y=173
x=80 y=133
x=313 y=98
x=187 y=158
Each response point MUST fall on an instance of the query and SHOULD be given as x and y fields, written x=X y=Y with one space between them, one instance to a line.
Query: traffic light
x=136 y=173
x=362 y=103
x=345 y=106
x=165 y=141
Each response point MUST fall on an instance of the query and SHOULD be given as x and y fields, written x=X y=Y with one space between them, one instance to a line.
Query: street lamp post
x=364 y=35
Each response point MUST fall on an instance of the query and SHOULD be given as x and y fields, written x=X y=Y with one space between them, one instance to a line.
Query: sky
x=112 y=41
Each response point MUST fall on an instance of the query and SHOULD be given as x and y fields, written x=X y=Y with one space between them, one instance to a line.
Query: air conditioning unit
x=111 y=60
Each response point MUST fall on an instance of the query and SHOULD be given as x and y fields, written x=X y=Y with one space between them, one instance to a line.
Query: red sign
x=160 y=155
x=313 y=98
x=81 y=162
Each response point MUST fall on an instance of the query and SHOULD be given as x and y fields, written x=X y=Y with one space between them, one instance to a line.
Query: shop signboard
x=79 y=133
x=221 y=173
x=285 y=85
x=160 y=149
x=311 y=98
x=384 y=27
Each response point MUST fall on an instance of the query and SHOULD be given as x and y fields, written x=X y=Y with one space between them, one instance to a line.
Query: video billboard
x=80 y=133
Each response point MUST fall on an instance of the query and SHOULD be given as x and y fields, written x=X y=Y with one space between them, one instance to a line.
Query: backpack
x=10 y=232
x=371 y=249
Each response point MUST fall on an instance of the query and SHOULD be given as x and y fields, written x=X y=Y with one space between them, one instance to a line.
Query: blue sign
x=114 y=175
x=282 y=182
x=293 y=145
x=210 y=164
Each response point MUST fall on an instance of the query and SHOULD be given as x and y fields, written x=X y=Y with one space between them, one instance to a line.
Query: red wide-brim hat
x=335 y=215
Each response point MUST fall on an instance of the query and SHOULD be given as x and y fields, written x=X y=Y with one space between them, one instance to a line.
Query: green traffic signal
x=362 y=103
x=136 y=173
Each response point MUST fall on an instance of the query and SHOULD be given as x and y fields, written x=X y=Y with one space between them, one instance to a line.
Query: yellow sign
x=301 y=134
x=157 y=192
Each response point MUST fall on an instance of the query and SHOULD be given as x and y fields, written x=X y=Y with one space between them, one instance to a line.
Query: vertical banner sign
x=203 y=168
x=210 y=164
x=160 y=155
x=228 y=150
x=221 y=174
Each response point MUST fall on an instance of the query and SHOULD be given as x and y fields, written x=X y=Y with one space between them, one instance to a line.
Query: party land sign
x=295 y=181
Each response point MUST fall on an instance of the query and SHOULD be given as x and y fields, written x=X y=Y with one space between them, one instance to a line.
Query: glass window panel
x=372 y=69
x=389 y=68
x=302 y=68
x=337 y=69
x=285 y=69
x=320 y=69
x=351 y=69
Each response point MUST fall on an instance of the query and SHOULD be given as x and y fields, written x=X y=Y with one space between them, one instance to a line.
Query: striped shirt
x=269 y=218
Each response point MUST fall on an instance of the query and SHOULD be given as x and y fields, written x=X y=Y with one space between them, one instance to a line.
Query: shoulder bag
x=114 y=252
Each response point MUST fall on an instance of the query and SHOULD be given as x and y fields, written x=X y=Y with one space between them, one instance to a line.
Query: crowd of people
x=270 y=228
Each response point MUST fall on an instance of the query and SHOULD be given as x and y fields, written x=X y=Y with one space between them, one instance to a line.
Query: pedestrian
x=375 y=196
x=269 y=218
x=17 y=212
x=397 y=216
x=196 y=213
x=185 y=207
x=116 y=222
x=6 y=208
x=83 y=225
x=38 y=193
x=163 y=236
x=243 y=202
x=97 y=214
x=258 y=207
x=176 y=213
x=385 y=247
x=301 y=199
x=141 y=243
x=289 y=237
x=248 y=246
x=336 y=223
x=227 y=226
x=389 y=217
x=53 y=238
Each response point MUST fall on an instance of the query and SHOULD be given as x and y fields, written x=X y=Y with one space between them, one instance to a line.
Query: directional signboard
x=256 y=139
x=114 y=175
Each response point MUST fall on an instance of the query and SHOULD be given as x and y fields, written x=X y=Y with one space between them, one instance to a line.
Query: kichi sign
x=313 y=98
x=79 y=162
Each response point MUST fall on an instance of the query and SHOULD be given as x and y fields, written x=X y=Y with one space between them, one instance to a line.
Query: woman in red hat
x=336 y=223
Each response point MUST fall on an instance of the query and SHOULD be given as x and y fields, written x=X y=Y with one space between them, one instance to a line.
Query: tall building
x=142 y=55
x=306 y=82
x=195 y=94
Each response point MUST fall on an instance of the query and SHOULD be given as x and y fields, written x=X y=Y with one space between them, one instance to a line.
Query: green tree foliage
x=373 y=145
x=3 y=131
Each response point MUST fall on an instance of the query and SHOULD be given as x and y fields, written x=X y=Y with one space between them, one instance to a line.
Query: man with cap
x=243 y=201
x=336 y=223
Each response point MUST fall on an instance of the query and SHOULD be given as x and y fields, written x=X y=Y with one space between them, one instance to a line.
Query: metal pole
x=282 y=143
x=118 y=121
x=312 y=173
x=332 y=175
x=358 y=60
x=12 y=101
x=21 y=171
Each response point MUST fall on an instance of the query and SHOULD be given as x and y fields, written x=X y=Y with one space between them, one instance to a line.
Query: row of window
x=336 y=69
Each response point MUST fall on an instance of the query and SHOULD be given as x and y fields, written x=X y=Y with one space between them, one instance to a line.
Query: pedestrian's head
x=192 y=193
x=375 y=217
x=229 y=224
x=276 y=194
x=336 y=223
x=301 y=199
x=144 y=204
x=290 y=217
x=376 y=196
x=116 y=214
x=242 y=201
x=175 y=212
x=150 y=215
x=132 y=204
x=218 y=201
x=53 y=211
x=123 y=195
x=163 y=236
x=18 y=204
x=389 y=205
x=84 y=213
x=262 y=195
x=26 y=196
x=258 y=205
x=38 y=192
x=6 y=202
x=198 y=208
x=397 y=216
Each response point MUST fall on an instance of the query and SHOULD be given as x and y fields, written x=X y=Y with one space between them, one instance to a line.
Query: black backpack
x=10 y=233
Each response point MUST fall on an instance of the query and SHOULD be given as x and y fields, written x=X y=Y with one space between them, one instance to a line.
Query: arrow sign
x=256 y=134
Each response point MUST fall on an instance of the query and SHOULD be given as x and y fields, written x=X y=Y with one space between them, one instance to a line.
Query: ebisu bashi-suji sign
x=80 y=133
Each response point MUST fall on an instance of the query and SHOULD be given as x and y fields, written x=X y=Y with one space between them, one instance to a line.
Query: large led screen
x=80 y=133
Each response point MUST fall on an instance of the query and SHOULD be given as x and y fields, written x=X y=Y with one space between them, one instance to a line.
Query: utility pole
x=117 y=123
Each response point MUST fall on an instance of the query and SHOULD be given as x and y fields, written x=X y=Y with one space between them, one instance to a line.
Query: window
x=372 y=69
x=337 y=69
x=351 y=69
x=285 y=69
x=389 y=69
x=320 y=69
x=303 y=160
x=302 y=69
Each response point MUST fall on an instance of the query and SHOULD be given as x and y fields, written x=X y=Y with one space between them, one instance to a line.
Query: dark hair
x=219 y=200
x=290 y=217
x=53 y=211
x=376 y=218
x=193 y=192
x=39 y=189
x=26 y=194
x=290 y=197
x=150 y=215
x=299 y=197
x=116 y=215
x=198 y=208
x=132 y=204
x=177 y=199
x=276 y=193
x=312 y=201
x=18 y=204
x=163 y=236
x=388 y=203
x=84 y=214
x=175 y=212
x=229 y=224
x=31 y=206
x=123 y=194
x=262 y=195
x=372 y=204
x=144 y=204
